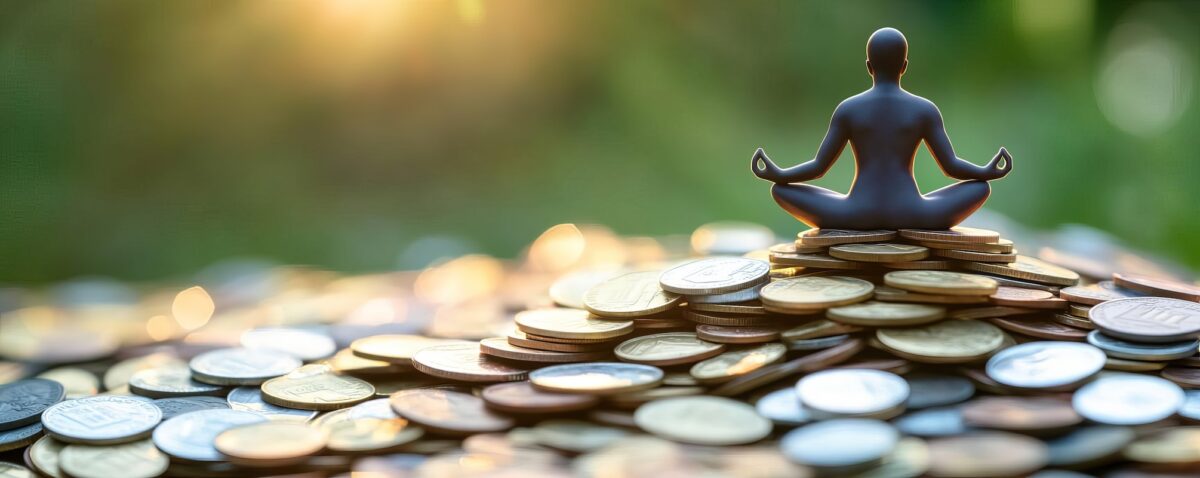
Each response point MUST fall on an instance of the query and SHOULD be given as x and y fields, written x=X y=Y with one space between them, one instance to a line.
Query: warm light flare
x=192 y=308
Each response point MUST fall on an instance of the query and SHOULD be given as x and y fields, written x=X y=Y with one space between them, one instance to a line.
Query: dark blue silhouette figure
x=884 y=126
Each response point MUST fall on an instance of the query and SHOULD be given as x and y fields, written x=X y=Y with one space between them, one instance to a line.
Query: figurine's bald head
x=887 y=54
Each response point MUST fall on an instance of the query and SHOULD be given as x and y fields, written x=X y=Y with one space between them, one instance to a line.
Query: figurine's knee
x=976 y=191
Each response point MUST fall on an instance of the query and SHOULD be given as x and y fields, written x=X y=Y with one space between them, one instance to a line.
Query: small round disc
x=927 y=391
x=1028 y=298
x=986 y=454
x=955 y=234
x=522 y=397
x=1029 y=415
x=571 y=324
x=240 y=366
x=14 y=438
x=975 y=256
x=886 y=314
x=892 y=294
x=814 y=260
x=941 y=282
x=948 y=341
x=190 y=436
x=808 y=294
x=521 y=339
x=395 y=348
x=501 y=348
x=852 y=392
x=1128 y=399
x=1148 y=319
x=703 y=420
x=730 y=320
x=1184 y=376
x=1095 y=294
x=139 y=459
x=270 y=443
x=101 y=420
x=1001 y=246
x=78 y=382
x=670 y=348
x=172 y=407
x=817 y=329
x=448 y=412
x=783 y=407
x=463 y=362
x=746 y=308
x=1088 y=446
x=316 y=387
x=1158 y=287
x=600 y=378
x=631 y=295
x=43 y=456
x=736 y=335
x=879 y=252
x=1118 y=348
x=305 y=345
x=714 y=275
x=841 y=443
x=170 y=381
x=371 y=435
x=832 y=237
x=1170 y=447
x=737 y=362
x=737 y=296
x=25 y=400
x=1040 y=365
x=1028 y=268
x=250 y=399
x=1041 y=327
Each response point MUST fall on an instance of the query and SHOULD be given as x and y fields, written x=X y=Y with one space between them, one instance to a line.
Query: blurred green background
x=144 y=139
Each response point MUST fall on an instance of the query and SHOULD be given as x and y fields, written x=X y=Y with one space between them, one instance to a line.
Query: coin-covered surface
x=448 y=412
x=670 y=348
x=631 y=295
x=250 y=399
x=24 y=400
x=190 y=436
x=172 y=407
x=101 y=420
x=714 y=275
x=713 y=421
x=814 y=293
x=139 y=459
x=1148 y=319
x=596 y=377
x=241 y=366
x=316 y=387
x=463 y=362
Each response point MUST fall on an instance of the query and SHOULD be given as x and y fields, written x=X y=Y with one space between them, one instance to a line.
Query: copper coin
x=560 y=340
x=464 y=362
x=1077 y=310
x=986 y=454
x=499 y=347
x=1040 y=327
x=1148 y=319
x=443 y=411
x=522 y=397
x=815 y=361
x=736 y=335
x=1183 y=376
x=1021 y=414
x=1093 y=294
x=1027 y=298
x=1158 y=287
x=521 y=339
x=817 y=329
x=892 y=294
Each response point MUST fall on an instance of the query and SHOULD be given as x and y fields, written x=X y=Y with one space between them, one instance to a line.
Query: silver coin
x=172 y=407
x=305 y=345
x=14 y=438
x=933 y=422
x=852 y=392
x=166 y=382
x=1118 y=348
x=1191 y=406
x=1148 y=319
x=715 y=275
x=818 y=343
x=703 y=420
x=926 y=391
x=240 y=366
x=840 y=443
x=1046 y=364
x=728 y=297
x=1089 y=446
x=783 y=407
x=250 y=399
x=377 y=408
x=1128 y=399
x=101 y=420
x=596 y=377
x=190 y=436
x=22 y=401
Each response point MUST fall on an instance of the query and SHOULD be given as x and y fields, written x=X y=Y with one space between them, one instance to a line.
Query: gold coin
x=794 y=248
x=1126 y=365
x=886 y=314
x=571 y=324
x=128 y=460
x=833 y=237
x=819 y=261
x=397 y=349
x=499 y=347
x=271 y=443
x=346 y=362
x=1028 y=268
x=922 y=265
x=630 y=295
x=316 y=387
x=371 y=435
x=703 y=420
x=43 y=455
x=560 y=340
x=671 y=348
x=948 y=341
x=463 y=362
x=1002 y=246
x=521 y=339
x=714 y=275
x=814 y=292
x=741 y=308
x=1083 y=311
x=1178 y=446
x=818 y=329
x=731 y=320
x=892 y=294
x=772 y=373
x=954 y=234
x=975 y=256
x=737 y=362
x=879 y=252
x=941 y=282
x=1027 y=298
x=737 y=335
x=447 y=412
x=1071 y=320
x=77 y=382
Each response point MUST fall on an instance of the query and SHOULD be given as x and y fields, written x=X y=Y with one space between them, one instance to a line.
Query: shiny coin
x=1184 y=376
x=736 y=335
x=853 y=392
x=1088 y=447
x=1029 y=415
x=522 y=397
x=941 y=282
x=724 y=320
x=377 y=408
x=43 y=455
x=671 y=348
x=783 y=407
x=1191 y=406
x=976 y=313
x=77 y=382
x=1128 y=399
x=1001 y=246
x=1041 y=327
x=975 y=256
x=139 y=459
x=190 y=436
x=892 y=294
x=840 y=444
x=937 y=390
x=576 y=436
x=886 y=314
x=500 y=347
x=14 y=438
x=570 y=324
x=714 y=275
x=933 y=422
x=1123 y=365
x=808 y=363
x=344 y=361
x=397 y=349
x=808 y=294
x=954 y=234
x=596 y=378
x=239 y=366
x=463 y=362
x=118 y=375
x=1045 y=364
x=521 y=339
x=316 y=387
x=250 y=399
x=746 y=308
x=1073 y=321
x=922 y=265
x=816 y=261
x=1148 y=319
x=305 y=345
x=949 y=341
x=703 y=420
x=174 y=381
x=1027 y=298
x=1158 y=287
x=371 y=435
x=569 y=289
x=1093 y=294
x=794 y=247
x=751 y=293
x=1028 y=268
x=270 y=443
x=1142 y=351
x=910 y=458
x=630 y=295
x=737 y=362
x=1177 y=447
x=172 y=407
x=816 y=344
x=1082 y=311
x=12 y=470
x=101 y=420
x=24 y=401
x=448 y=412
x=879 y=252
x=986 y=454
x=831 y=237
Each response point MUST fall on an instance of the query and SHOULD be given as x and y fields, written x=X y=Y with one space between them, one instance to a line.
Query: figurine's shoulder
x=923 y=105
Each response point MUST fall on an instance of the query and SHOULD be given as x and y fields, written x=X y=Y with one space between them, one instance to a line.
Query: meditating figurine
x=884 y=126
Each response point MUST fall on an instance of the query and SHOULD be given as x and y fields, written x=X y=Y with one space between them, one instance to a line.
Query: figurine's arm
x=943 y=152
x=831 y=148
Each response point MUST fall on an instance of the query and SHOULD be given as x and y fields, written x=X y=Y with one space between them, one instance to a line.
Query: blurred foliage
x=142 y=139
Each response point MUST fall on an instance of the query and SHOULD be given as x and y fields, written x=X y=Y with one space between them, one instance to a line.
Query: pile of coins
x=847 y=353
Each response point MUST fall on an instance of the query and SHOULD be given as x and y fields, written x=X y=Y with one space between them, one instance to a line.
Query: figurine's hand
x=1000 y=165
x=768 y=170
